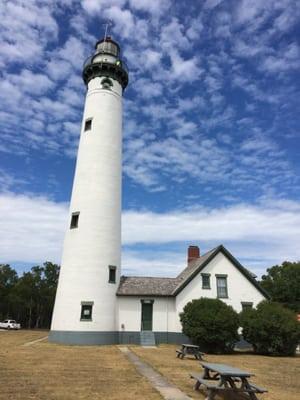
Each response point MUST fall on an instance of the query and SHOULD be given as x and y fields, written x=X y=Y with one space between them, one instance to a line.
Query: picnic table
x=227 y=379
x=189 y=349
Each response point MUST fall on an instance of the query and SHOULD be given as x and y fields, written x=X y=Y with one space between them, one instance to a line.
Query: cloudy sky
x=211 y=127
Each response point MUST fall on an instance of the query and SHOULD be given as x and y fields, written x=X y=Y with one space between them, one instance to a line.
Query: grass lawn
x=45 y=371
x=279 y=375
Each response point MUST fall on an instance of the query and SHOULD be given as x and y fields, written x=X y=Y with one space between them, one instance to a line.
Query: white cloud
x=155 y=7
x=58 y=69
x=195 y=28
x=210 y=4
x=286 y=60
x=32 y=230
x=74 y=52
x=152 y=263
x=26 y=28
x=274 y=223
x=148 y=89
x=172 y=36
x=95 y=6
x=29 y=82
x=249 y=9
x=150 y=58
x=263 y=235
x=123 y=21
x=184 y=69
x=9 y=181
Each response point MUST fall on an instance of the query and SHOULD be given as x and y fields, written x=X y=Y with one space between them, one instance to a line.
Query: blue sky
x=211 y=127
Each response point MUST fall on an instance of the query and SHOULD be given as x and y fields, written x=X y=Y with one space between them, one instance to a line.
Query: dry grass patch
x=45 y=371
x=280 y=375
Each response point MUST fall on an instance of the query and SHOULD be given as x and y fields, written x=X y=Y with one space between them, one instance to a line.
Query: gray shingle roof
x=152 y=286
x=143 y=286
x=140 y=285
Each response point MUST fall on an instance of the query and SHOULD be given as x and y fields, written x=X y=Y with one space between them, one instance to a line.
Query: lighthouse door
x=147 y=312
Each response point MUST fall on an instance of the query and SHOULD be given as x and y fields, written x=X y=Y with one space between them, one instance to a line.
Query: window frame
x=107 y=83
x=222 y=276
x=84 y=304
x=205 y=275
x=76 y=224
x=88 y=121
x=247 y=305
x=112 y=268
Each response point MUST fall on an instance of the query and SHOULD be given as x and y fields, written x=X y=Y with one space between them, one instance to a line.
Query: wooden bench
x=213 y=388
x=257 y=389
x=189 y=350
x=200 y=381
x=179 y=354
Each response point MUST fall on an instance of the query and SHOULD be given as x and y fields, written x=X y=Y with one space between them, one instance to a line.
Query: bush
x=211 y=324
x=271 y=329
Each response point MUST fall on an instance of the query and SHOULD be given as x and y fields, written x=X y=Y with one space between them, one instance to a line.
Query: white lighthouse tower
x=85 y=304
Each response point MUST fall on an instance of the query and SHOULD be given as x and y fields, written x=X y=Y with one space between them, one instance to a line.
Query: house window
x=112 y=274
x=86 y=310
x=205 y=281
x=246 y=305
x=74 y=220
x=222 y=291
x=88 y=125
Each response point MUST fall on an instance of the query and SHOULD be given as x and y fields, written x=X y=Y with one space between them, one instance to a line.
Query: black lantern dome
x=106 y=61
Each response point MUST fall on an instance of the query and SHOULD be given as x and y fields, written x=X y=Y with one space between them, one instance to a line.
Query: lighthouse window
x=112 y=274
x=88 y=125
x=74 y=220
x=86 y=310
x=106 y=83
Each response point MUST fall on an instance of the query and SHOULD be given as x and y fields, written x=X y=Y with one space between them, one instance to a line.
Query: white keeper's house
x=154 y=304
x=94 y=304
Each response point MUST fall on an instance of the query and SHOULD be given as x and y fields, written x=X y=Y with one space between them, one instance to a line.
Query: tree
x=8 y=279
x=271 y=329
x=29 y=298
x=211 y=324
x=282 y=282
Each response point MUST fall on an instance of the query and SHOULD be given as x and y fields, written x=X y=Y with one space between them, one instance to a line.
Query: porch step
x=147 y=338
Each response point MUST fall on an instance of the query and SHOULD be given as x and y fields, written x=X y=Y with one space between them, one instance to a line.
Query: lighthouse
x=85 y=305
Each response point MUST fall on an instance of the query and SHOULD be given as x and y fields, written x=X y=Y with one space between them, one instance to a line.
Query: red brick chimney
x=193 y=252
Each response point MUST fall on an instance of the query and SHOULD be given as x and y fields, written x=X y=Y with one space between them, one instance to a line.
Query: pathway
x=35 y=341
x=166 y=389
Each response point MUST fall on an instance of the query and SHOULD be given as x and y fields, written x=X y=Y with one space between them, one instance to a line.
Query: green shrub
x=271 y=329
x=211 y=324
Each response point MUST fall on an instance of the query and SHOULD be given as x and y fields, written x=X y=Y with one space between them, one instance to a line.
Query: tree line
x=29 y=299
x=282 y=282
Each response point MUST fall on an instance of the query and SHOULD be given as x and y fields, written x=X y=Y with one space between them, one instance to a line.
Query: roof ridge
x=194 y=262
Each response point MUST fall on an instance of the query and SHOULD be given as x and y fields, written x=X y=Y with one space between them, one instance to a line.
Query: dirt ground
x=45 y=371
x=279 y=375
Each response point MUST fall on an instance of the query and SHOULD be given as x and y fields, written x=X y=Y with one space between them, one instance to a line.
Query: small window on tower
x=112 y=274
x=106 y=83
x=86 y=310
x=88 y=125
x=74 y=220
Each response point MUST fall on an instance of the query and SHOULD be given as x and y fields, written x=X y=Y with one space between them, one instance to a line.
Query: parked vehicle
x=10 y=324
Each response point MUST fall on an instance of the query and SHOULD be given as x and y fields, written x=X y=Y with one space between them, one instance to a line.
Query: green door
x=147 y=309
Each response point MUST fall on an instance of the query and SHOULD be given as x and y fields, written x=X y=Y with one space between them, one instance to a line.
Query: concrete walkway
x=166 y=389
x=35 y=341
